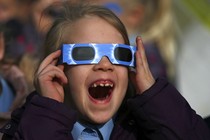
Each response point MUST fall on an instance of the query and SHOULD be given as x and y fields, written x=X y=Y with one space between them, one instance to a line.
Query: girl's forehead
x=92 y=29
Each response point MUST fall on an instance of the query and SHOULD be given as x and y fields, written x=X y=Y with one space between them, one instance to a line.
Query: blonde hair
x=159 y=26
x=70 y=13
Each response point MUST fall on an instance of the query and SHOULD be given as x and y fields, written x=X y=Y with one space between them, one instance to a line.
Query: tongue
x=99 y=93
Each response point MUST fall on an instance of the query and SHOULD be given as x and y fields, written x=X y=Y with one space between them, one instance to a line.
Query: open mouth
x=101 y=90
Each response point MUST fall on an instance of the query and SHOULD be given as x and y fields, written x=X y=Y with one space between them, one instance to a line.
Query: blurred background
x=193 y=55
x=176 y=35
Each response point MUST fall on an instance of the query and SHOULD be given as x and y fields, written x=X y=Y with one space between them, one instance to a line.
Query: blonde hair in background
x=158 y=25
x=28 y=65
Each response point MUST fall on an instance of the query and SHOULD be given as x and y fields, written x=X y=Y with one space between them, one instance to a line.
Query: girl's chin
x=98 y=119
x=101 y=121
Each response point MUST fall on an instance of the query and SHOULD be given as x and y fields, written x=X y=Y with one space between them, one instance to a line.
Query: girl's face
x=97 y=90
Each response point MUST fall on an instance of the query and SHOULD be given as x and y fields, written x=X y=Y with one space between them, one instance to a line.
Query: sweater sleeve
x=46 y=119
x=162 y=113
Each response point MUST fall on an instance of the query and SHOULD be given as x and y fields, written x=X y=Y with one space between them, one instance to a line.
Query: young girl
x=99 y=105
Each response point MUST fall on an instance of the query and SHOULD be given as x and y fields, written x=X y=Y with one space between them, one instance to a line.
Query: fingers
x=141 y=61
x=143 y=77
x=50 y=78
x=49 y=83
x=51 y=72
x=51 y=59
x=49 y=64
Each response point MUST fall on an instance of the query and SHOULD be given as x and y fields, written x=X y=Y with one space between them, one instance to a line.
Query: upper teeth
x=103 y=85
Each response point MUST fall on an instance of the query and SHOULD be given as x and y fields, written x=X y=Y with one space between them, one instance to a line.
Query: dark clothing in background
x=161 y=113
x=156 y=63
x=21 y=39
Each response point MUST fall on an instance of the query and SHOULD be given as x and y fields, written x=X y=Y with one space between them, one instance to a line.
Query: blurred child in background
x=13 y=85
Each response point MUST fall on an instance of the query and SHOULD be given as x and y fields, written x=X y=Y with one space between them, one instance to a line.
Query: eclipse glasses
x=79 y=54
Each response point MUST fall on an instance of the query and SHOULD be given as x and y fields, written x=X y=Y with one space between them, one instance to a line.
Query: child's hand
x=142 y=78
x=50 y=78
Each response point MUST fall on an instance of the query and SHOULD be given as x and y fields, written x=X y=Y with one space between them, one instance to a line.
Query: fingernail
x=139 y=37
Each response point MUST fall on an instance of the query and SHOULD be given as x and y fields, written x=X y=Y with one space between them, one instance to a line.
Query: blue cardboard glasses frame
x=91 y=53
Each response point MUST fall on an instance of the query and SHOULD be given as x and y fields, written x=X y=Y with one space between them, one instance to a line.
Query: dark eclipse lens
x=123 y=54
x=83 y=53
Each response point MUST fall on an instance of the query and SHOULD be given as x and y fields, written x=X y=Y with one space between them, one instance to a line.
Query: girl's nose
x=104 y=65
